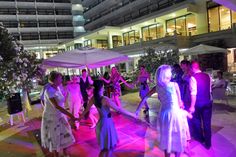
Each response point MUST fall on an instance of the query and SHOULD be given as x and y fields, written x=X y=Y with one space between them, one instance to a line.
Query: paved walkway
x=137 y=138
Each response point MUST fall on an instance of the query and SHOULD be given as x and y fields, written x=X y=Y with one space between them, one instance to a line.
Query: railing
x=148 y=9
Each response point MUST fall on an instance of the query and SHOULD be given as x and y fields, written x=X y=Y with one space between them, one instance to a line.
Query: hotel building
x=40 y=24
x=129 y=26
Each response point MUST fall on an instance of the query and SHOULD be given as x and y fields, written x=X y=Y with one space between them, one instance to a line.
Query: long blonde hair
x=161 y=74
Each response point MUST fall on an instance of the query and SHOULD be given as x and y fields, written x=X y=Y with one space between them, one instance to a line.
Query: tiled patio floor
x=136 y=138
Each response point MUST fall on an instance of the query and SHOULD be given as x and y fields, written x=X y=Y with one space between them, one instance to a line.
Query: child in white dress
x=186 y=115
x=93 y=110
x=173 y=137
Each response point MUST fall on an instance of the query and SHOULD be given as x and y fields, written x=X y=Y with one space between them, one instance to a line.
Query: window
x=131 y=37
x=181 y=26
x=23 y=11
x=117 y=41
x=170 y=27
x=62 y=1
x=152 y=32
x=10 y=24
x=25 y=0
x=87 y=43
x=126 y=38
x=77 y=45
x=28 y=24
x=214 y=22
x=220 y=17
x=225 y=22
x=47 y=24
x=65 y=35
x=64 y=23
x=184 y=25
x=48 y=35
x=7 y=11
x=30 y=36
x=63 y=12
x=191 y=25
x=233 y=17
x=146 y=34
x=102 y=44
x=49 y=1
x=45 y=12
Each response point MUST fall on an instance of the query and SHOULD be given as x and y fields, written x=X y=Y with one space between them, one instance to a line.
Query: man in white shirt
x=220 y=82
x=201 y=105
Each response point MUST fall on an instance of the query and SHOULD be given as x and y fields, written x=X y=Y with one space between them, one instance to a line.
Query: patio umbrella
x=87 y=57
x=203 y=49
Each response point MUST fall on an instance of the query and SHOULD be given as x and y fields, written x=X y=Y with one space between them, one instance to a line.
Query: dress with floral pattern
x=56 y=132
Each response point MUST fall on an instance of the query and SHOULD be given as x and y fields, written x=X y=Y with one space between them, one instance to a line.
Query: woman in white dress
x=172 y=130
x=74 y=98
x=56 y=132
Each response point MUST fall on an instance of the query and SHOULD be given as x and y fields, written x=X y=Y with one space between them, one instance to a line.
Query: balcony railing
x=142 y=11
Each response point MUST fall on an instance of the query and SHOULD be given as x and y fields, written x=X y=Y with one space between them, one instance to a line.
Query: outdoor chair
x=220 y=93
x=20 y=116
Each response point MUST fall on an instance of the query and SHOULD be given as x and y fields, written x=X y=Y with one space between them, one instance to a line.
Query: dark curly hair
x=53 y=75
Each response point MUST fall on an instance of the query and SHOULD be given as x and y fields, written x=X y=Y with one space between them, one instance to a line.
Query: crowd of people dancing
x=184 y=92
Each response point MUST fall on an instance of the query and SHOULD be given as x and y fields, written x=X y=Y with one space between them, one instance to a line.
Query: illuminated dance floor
x=137 y=138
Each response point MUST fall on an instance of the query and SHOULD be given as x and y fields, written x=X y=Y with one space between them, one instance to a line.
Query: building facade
x=39 y=24
x=128 y=26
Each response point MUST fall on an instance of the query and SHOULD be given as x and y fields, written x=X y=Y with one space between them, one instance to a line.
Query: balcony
x=118 y=15
x=12 y=30
x=47 y=29
x=61 y=29
x=42 y=5
x=225 y=38
x=25 y=4
x=85 y=3
x=97 y=7
x=27 y=17
x=28 y=29
x=8 y=18
x=62 y=5
x=7 y=4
